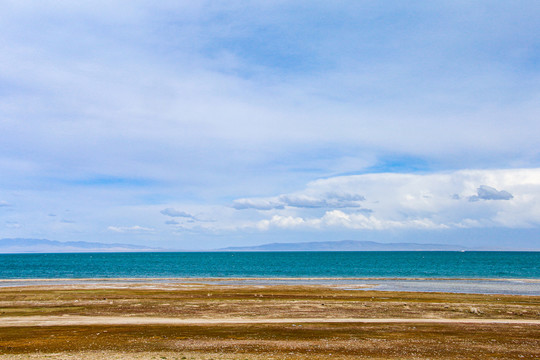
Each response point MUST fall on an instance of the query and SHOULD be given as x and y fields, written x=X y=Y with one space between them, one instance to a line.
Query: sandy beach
x=200 y=319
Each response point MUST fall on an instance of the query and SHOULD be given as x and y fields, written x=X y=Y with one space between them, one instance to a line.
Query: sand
x=122 y=320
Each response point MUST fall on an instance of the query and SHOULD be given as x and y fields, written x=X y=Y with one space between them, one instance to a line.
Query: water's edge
x=530 y=287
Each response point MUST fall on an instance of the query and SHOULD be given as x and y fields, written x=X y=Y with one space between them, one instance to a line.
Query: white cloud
x=13 y=225
x=370 y=222
x=328 y=200
x=428 y=201
x=258 y=204
x=308 y=201
x=339 y=219
x=172 y=212
x=489 y=193
x=281 y=222
x=130 y=229
x=4 y=203
x=303 y=201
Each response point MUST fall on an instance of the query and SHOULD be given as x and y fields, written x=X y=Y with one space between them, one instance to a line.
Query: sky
x=207 y=124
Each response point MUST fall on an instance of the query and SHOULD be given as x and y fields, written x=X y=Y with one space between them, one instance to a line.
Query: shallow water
x=466 y=286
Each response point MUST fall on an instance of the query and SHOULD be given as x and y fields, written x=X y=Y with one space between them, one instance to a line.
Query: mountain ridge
x=347 y=245
x=25 y=245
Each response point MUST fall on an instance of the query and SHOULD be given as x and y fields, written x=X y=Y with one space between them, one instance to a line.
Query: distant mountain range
x=19 y=245
x=347 y=245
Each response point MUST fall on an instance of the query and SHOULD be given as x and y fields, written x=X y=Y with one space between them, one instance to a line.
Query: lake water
x=418 y=264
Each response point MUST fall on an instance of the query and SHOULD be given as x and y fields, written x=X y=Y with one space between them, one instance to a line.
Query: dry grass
x=266 y=341
x=208 y=301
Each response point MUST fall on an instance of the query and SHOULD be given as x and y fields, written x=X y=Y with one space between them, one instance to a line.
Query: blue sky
x=264 y=122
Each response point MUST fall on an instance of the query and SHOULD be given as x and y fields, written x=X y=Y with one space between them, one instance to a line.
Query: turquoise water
x=273 y=264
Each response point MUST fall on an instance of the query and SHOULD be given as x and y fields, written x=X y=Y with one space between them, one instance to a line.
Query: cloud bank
x=393 y=201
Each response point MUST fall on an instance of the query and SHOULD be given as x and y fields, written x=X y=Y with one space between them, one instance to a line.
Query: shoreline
x=267 y=278
x=486 y=286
